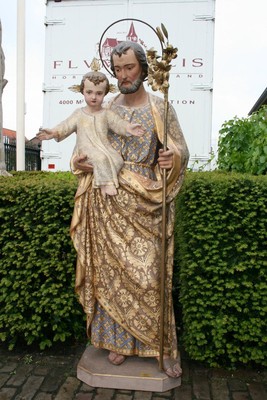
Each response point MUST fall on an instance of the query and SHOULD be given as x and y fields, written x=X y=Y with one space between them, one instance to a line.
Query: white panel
x=74 y=29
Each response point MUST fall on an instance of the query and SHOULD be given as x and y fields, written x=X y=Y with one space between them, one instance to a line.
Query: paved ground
x=33 y=375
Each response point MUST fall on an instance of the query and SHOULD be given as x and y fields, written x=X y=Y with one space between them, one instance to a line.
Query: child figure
x=91 y=124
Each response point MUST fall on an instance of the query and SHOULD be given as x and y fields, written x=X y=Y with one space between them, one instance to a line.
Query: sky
x=240 y=60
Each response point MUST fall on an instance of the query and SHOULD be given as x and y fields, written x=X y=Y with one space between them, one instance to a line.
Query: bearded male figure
x=118 y=241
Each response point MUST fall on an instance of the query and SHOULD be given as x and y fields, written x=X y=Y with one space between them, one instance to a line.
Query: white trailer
x=77 y=30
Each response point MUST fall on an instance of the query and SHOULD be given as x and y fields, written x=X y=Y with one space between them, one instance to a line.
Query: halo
x=114 y=23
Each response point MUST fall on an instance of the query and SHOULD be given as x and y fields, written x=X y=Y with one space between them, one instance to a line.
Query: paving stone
x=60 y=360
x=124 y=391
x=201 y=371
x=30 y=388
x=3 y=379
x=168 y=393
x=86 y=388
x=41 y=370
x=43 y=396
x=218 y=373
x=84 y=396
x=141 y=395
x=104 y=394
x=7 y=393
x=247 y=375
x=183 y=392
x=53 y=380
x=259 y=377
x=240 y=396
x=122 y=396
x=47 y=360
x=219 y=390
x=162 y=397
x=68 y=389
x=9 y=367
x=201 y=387
x=20 y=375
x=56 y=377
x=257 y=391
x=237 y=385
x=186 y=372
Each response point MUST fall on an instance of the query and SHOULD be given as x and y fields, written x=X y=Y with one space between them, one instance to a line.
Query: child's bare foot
x=108 y=189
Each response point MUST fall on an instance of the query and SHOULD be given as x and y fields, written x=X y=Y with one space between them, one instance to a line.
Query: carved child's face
x=94 y=94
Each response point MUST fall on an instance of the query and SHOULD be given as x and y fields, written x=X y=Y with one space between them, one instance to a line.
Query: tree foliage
x=243 y=144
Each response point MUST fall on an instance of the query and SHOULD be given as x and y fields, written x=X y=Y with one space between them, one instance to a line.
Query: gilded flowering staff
x=158 y=78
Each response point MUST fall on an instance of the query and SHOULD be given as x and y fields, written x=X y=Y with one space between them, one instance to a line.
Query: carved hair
x=123 y=47
x=96 y=78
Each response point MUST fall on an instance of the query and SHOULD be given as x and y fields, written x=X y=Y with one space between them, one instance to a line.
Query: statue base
x=135 y=373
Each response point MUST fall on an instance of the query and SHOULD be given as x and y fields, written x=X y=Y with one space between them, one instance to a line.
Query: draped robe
x=92 y=140
x=118 y=240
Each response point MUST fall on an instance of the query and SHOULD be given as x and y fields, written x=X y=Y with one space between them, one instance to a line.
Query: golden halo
x=114 y=23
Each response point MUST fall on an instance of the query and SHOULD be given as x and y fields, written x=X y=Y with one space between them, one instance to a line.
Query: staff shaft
x=163 y=245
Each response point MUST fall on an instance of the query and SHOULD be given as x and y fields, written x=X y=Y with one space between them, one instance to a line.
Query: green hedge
x=220 y=264
x=37 y=300
x=222 y=256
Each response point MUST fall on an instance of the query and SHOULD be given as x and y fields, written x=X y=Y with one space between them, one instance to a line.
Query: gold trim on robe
x=118 y=243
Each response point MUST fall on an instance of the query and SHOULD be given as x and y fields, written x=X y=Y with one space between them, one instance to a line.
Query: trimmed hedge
x=220 y=264
x=37 y=300
x=222 y=254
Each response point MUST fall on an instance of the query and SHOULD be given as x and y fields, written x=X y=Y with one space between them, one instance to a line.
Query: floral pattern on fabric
x=118 y=240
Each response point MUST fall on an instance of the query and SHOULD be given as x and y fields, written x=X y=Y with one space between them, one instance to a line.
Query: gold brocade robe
x=118 y=242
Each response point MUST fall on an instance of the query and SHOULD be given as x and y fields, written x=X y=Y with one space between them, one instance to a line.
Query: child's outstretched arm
x=135 y=129
x=121 y=126
x=46 y=134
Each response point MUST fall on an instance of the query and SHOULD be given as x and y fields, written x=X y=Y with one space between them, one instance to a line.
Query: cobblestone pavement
x=47 y=375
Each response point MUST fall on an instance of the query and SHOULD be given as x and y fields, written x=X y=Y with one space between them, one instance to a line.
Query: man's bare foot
x=171 y=367
x=115 y=358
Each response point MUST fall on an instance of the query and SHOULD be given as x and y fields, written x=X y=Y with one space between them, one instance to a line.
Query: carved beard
x=132 y=89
